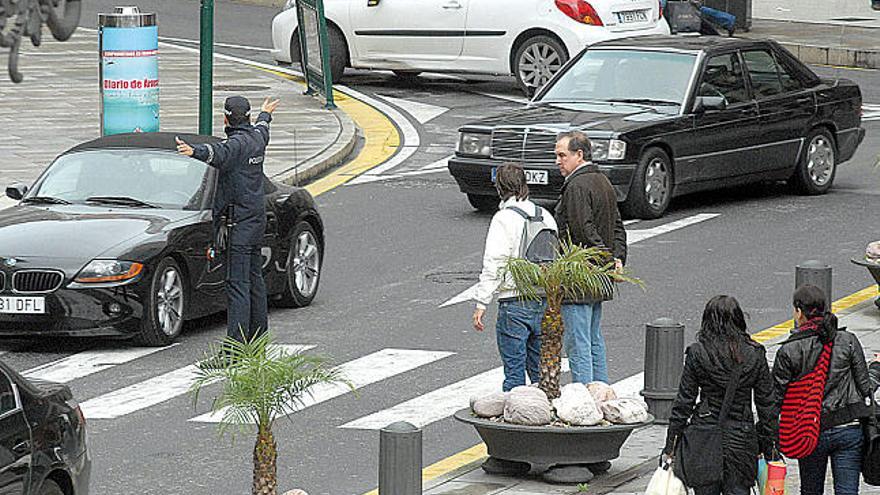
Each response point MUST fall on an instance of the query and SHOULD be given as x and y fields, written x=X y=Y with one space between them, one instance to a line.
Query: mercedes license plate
x=532 y=176
x=631 y=16
x=22 y=305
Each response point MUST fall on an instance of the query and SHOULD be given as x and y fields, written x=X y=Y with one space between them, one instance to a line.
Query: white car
x=530 y=39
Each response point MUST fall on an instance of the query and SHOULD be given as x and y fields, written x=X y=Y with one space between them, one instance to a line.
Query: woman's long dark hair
x=723 y=331
x=811 y=301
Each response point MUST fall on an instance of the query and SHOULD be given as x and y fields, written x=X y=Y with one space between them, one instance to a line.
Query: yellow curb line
x=477 y=452
x=381 y=139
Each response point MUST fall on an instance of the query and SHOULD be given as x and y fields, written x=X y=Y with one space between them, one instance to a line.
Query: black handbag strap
x=732 y=385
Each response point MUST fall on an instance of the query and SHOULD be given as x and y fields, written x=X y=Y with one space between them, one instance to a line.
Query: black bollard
x=400 y=459
x=664 y=362
x=814 y=273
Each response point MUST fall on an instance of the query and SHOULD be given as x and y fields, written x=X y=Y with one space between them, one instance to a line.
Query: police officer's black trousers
x=247 y=311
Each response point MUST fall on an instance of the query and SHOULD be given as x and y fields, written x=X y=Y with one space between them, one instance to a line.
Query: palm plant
x=576 y=273
x=261 y=382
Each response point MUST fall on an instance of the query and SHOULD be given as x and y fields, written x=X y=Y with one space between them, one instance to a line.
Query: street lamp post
x=206 y=66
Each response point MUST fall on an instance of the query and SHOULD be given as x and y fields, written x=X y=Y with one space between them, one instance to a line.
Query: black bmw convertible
x=112 y=240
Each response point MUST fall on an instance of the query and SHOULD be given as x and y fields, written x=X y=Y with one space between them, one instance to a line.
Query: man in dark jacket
x=239 y=202
x=587 y=214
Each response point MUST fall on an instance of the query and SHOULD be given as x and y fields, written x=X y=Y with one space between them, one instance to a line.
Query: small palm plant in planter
x=576 y=273
x=261 y=382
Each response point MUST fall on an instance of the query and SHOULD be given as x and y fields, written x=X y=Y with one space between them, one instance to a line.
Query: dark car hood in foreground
x=604 y=119
x=76 y=232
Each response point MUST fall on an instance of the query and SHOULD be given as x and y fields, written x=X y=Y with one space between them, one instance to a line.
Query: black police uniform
x=239 y=159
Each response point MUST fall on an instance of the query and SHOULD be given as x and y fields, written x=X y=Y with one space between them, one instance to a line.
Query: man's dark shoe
x=731 y=31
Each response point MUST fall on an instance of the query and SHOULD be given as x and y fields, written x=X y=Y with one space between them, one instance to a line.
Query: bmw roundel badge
x=10 y=262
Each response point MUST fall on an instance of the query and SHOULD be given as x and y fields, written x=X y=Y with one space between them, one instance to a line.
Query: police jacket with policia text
x=239 y=161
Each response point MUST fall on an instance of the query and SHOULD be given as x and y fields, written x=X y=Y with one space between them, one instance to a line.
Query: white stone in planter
x=489 y=406
x=576 y=406
x=601 y=392
x=527 y=406
x=296 y=492
x=625 y=411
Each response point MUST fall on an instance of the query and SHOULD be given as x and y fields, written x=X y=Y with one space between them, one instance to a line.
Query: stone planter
x=546 y=447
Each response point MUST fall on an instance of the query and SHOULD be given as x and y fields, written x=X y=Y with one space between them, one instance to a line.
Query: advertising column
x=129 y=71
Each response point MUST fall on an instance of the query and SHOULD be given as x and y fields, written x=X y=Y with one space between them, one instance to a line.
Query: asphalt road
x=398 y=248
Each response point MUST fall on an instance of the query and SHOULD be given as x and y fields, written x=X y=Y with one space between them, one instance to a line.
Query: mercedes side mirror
x=16 y=191
x=703 y=104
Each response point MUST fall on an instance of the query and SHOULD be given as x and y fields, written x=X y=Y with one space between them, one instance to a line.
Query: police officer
x=239 y=201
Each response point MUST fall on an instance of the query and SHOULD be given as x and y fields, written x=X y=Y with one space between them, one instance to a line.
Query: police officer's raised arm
x=262 y=123
x=216 y=154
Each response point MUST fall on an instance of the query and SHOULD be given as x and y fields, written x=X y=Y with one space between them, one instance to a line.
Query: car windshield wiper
x=643 y=101
x=46 y=200
x=120 y=200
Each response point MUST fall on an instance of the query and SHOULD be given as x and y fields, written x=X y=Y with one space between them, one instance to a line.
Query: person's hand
x=876 y=358
x=183 y=148
x=478 y=319
x=665 y=460
x=269 y=106
x=618 y=265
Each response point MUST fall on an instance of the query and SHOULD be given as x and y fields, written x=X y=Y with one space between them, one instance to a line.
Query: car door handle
x=22 y=448
x=452 y=6
x=803 y=100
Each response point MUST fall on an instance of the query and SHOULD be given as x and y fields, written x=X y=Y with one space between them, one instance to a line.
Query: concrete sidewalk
x=57 y=107
x=631 y=472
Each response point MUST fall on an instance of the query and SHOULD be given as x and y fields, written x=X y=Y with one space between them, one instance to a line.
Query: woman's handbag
x=771 y=477
x=802 y=410
x=699 y=454
x=664 y=482
x=871 y=452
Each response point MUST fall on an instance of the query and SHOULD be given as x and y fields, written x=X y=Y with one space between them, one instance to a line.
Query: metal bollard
x=664 y=362
x=815 y=273
x=400 y=459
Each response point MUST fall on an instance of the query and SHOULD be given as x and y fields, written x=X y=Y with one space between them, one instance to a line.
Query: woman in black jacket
x=722 y=345
x=846 y=398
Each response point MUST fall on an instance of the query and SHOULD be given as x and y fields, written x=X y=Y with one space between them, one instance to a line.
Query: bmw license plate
x=631 y=16
x=532 y=176
x=22 y=305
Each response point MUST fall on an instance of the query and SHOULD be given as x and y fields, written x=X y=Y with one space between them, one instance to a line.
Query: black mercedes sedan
x=43 y=447
x=113 y=240
x=670 y=116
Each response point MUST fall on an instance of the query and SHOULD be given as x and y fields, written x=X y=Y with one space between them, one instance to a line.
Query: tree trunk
x=265 y=467
x=551 y=347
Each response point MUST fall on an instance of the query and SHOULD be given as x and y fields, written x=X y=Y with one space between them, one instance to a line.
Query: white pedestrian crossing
x=870 y=112
x=150 y=392
x=88 y=362
x=361 y=372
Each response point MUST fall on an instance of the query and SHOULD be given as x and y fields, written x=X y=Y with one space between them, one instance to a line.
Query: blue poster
x=130 y=79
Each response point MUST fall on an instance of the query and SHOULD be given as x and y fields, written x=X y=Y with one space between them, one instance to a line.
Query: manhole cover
x=239 y=88
x=453 y=277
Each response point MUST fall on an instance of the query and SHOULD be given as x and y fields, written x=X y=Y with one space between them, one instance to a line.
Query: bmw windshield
x=629 y=77
x=123 y=178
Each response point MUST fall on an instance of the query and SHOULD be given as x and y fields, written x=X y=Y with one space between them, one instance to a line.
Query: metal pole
x=206 y=67
x=664 y=362
x=814 y=273
x=400 y=459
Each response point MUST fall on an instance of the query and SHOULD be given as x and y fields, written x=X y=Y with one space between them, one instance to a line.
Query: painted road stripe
x=361 y=372
x=150 y=392
x=622 y=388
x=88 y=362
x=438 y=404
x=431 y=168
x=422 y=112
x=6 y=202
x=632 y=237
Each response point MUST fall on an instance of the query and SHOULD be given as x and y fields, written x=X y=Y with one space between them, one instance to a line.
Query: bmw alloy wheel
x=306 y=263
x=537 y=64
x=656 y=183
x=169 y=298
x=820 y=160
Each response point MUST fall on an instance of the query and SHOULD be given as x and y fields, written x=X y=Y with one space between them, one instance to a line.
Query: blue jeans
x=584 y=342
x=247 y=306
x=719 y=17
x=518 y=331
x=844 y=447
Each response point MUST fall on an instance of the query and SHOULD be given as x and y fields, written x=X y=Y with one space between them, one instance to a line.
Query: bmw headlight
x=471 y=143
x=607 y=149
x=104 y=271
x=289 y=4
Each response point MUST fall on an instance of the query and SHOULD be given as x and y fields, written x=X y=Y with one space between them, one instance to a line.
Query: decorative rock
x=296 y=492
x=493 y=465
x=601 y=392
x=569 y=474
x=576 y=406
x=527 y=406
x=489 y=406
x=625 y=411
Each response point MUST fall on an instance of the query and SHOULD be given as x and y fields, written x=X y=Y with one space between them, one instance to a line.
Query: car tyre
x=303 y=272
x=483 y=203
x=651 y=188
x=165 y=309
x=338 y=53
x=50 y=488
x=817 y=166
x=536 y=60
